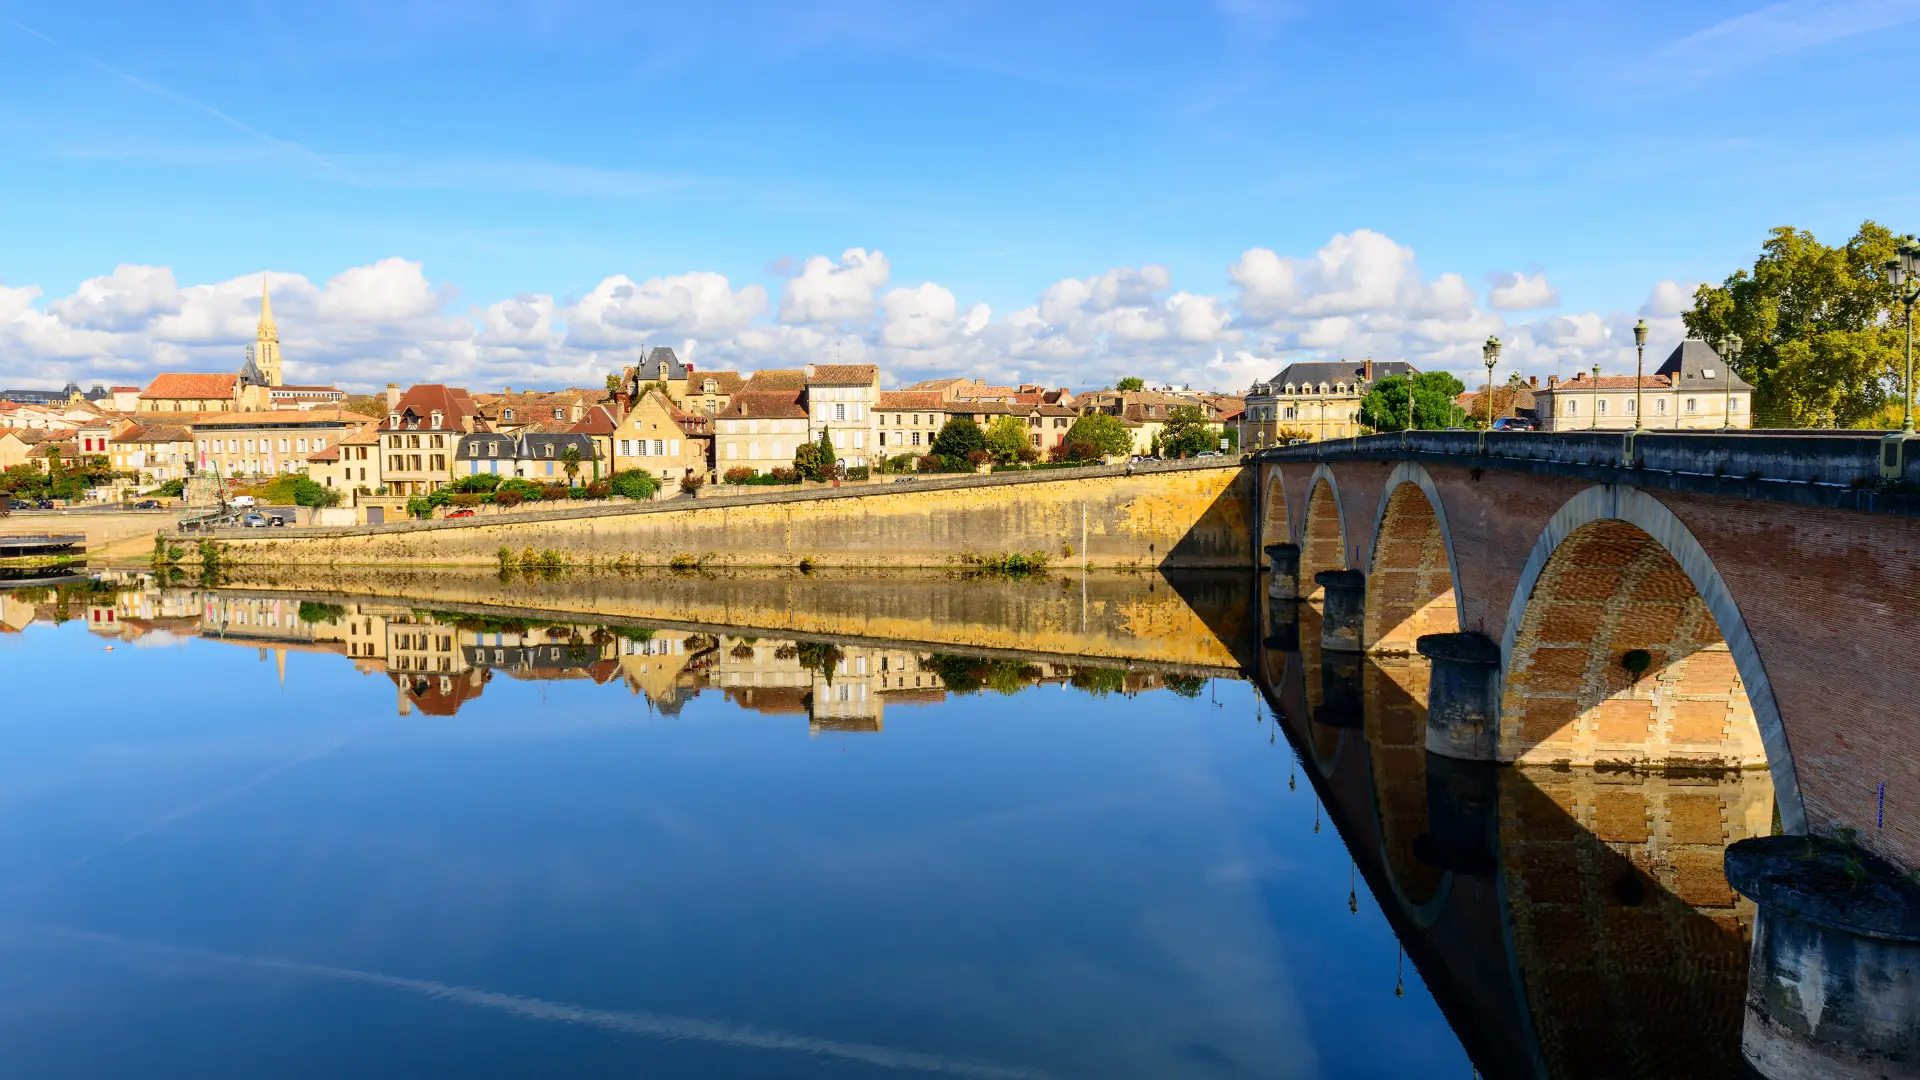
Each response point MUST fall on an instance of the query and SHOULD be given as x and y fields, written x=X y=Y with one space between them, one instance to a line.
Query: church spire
x=268 y=331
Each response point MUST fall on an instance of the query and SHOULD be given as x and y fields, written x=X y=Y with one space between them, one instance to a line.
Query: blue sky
x=1063 y=192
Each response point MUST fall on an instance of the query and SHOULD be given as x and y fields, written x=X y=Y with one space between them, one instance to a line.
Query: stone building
x=905 y=421
x=759 y=430
x=654 y=436
x=841 y=400
x=156 y=453
x=1692 y=390
x=230 y=444
x=1317 y=399
x=419 y=434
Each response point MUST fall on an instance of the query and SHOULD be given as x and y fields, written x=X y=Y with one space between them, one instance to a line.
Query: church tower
x=265 y=353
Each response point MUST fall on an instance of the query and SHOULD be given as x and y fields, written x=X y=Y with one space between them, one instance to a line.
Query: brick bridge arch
x=1276 y=526
x=1323 y=531
x=1413 y=578
x=1616 y=571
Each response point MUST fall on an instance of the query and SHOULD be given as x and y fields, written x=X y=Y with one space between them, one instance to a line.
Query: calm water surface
x=244 y=835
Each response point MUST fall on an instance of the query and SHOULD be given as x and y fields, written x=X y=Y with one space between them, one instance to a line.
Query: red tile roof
x=775 y=379
x=183 y=384
x=843 y=374
x=910 y=399
x=781 y=405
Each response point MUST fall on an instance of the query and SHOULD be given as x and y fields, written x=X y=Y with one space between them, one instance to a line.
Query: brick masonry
x=1825 y=595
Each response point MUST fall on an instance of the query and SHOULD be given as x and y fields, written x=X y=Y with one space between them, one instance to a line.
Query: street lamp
x=1639 y=373
x=1904 y=272
x=1491 y=352
x=1731 y=347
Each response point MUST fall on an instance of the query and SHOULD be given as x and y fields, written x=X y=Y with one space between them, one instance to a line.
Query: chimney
x=1553 y=381
x=1366 y=372
x=622 y=401
x=393 y=397
x=809 y=371
x=1533 y=382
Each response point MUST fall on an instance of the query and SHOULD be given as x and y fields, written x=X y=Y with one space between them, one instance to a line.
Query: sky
x=1198 y=193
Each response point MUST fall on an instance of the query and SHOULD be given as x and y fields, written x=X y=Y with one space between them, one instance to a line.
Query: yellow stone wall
x=1185 y=517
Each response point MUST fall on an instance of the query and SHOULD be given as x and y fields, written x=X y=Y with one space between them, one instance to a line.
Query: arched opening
x=1397 y=744
x=1275 y=526
x=1618 y=659
x=1410 y=582
x=1323 y=542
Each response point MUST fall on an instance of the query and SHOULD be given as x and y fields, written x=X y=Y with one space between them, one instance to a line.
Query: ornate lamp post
x=1639 y=373
x=1904 y=272
x=1491 y=353
x=1730 y=349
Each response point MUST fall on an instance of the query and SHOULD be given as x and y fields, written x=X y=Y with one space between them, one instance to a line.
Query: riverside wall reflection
x=1571 y=922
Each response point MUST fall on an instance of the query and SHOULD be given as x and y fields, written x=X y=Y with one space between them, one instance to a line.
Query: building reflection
x=1571 y=922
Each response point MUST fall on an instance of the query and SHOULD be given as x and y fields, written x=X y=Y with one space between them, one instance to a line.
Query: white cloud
x=1361 y=294
x=828 y=292
x=1521 y=292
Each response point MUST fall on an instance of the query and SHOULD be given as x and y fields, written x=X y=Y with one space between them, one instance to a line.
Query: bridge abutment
x=1833 y=986
x=1463 y=696
x=1345 y=611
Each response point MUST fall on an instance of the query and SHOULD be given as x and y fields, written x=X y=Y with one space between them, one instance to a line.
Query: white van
x=241 y=500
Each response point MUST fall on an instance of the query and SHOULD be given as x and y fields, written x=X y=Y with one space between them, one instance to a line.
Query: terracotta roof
x=269 y=417
x=842 y=374
x=156 y=433
x=725 y=382
x=1587 y=383
x=990 y=408
x=329 y=389
x=331 y=453
x=910 y=399
x=935 y=385
x=599 y=421
x=1055 y=410
x=453 y=403
x=780 y=405
x=181 y=384
x=775 y=379
x=367 y=434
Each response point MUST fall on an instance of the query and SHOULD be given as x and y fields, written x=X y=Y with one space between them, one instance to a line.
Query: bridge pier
x=1283 y=627
x=1833 y=986
x=1463 y=696
x=1343 y=695
x=1345 y=612
x=1285 y=561
x=1463 y=816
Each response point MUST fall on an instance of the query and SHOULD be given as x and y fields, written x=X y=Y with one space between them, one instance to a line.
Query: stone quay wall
x=1183 y=514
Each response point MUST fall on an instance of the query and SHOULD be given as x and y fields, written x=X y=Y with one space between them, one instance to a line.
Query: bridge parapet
x=1826 y=468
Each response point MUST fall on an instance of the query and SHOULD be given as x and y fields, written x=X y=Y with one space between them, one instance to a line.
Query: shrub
x=635 y=484
x=418 y=507
x=172 y=489
x=859 y=472
x=506 y=497
x=684 y=562
x=930 y=463
x=525 y=489
x=576 y=492
x=1012 y=564
x=739 y=474
x=599 y=489
x=464 y=498
x=692 y=482
x=553 y=492
x=958 y=438
x=785 y=476
x=899 y=463
x=978 y=458
x=1081 y=450
x=477 y=484
x=1028 y=454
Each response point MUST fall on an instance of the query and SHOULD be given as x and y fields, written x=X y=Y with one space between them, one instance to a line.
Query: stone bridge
x=1680 y=604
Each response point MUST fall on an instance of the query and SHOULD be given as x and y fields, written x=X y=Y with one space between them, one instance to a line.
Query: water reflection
x=1572 y=922
x=1565 y=922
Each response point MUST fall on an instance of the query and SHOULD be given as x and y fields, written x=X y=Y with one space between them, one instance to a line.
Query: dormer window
x=549 y=449
x=1339 y=388
x=506 y=414
x=393 y=420
x=556 y=414
x=1291 y=389
x=436 y=419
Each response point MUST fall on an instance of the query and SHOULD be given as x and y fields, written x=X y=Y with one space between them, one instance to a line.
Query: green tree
x=636 y=484
x=570 y=461
x=1187 y=432
x=1005 y=438
x=613 y=384
x=959 y=437
x=1820 y=341
x=1131 y=382
x=815 y=460
x=1435 y=403
x=1105 y=433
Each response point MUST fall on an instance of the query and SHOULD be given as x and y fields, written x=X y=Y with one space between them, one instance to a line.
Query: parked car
x=19 y=504
x=460 y=513
x=1514 y=423
x=1207 y=453
x=241 y=500
x=256 y=521
x=147 y=504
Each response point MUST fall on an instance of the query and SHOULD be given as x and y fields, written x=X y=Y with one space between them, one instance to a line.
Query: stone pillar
x=1833 y=986
x=1343 y=696
x=1283 y=627
x=1463 y=816
x=1285 y=582
x=1344 y=611
x=1463 y=696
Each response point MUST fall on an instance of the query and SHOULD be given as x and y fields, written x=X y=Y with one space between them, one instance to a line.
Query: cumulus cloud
x=1521 y=292
x=828 y=292
x=1360 y=294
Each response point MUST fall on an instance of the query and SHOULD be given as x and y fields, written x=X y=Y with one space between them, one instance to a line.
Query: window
x=1631 y=407
x=283 y=446
x=1691 y=405
x=1660 y=406
x=916 y=438
x=659 y=448
x=1573 y=407
x=393 y=441
x=439 y=462
x=439 y=442
x=506 y=414
x=839 y=412
x=1733 y=405
x=1600 y=407
x=1706 y=373
x=413 y=442
x=436 y=419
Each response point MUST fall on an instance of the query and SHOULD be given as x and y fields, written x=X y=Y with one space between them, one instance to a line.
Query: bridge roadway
x=1674 y=602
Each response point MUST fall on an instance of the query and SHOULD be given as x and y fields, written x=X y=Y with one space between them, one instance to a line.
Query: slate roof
x=661 y=363
x=525 y=446
x=1691 y=360
x=1315 y=372
x=181 y=384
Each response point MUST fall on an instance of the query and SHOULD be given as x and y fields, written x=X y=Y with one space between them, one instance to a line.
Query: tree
x=1005 y=438
x=1104 y=433
x=570 y=461
x=1820 y=339
x=613 y=384
x=1131 y=382
x=1187 y=432
x=1434 y=403
x=959 y=437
